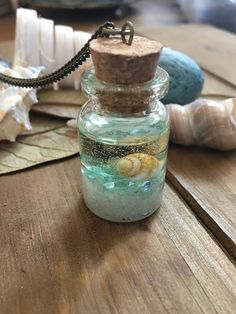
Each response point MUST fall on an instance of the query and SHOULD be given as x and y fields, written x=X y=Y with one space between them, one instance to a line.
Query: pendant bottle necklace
x=123 y=127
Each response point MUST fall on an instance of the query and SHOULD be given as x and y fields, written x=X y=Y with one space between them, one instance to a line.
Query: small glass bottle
x=123 y=135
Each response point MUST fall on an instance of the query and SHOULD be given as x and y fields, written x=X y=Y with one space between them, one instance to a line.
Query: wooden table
x=57 y=257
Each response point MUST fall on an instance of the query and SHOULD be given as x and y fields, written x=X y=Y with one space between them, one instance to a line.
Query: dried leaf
x=29 y=151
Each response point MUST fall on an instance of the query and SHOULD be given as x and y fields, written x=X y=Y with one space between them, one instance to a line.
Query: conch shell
x=204 y=123
x=15 y=103
x=139 y=166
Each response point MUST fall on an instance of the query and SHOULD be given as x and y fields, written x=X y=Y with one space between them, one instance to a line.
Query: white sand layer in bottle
x=110 y=204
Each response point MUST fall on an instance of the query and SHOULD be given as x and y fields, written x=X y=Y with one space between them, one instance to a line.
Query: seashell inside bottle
x=124 y=130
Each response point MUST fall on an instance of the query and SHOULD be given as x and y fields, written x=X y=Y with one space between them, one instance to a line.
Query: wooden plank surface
x=7 y=50
x=212 y=48
x=57 y=257
x=207 y=179
x=214 y=85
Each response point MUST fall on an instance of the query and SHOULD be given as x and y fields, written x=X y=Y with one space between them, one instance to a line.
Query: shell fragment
x=15 y=103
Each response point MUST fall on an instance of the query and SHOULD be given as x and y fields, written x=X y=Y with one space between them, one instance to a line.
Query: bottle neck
x=143 y=111
x=124 y=102
x=124 y=99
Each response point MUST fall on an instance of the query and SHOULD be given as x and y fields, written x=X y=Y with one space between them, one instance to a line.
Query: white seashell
x=72 y=123
x=139 y=166
x=205 y=123
x=15 y=103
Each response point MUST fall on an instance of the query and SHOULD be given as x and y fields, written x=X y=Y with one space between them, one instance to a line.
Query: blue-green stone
x=186 y=77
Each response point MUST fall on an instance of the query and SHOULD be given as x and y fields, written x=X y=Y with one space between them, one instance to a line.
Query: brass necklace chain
x=105 y=30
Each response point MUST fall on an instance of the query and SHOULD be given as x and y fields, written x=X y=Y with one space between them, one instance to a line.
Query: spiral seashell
x=139 y=166
x=205 y=123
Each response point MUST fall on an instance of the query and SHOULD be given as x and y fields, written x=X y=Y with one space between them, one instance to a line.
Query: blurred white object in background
x=64 y=51
x=39 y=42
x=46 y=34
x=221 y=13
x=27 y=43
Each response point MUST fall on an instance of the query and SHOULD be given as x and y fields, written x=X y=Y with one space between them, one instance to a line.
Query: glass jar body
x=123 y=160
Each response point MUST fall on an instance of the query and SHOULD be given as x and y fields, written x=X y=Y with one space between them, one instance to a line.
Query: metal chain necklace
x=105 y=30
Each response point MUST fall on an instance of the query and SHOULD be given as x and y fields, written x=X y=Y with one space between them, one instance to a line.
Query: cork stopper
x=118 y=63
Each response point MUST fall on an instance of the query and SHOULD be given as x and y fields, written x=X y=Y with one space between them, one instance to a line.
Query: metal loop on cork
x=126 y=30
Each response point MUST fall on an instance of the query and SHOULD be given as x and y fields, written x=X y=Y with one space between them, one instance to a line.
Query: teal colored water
x=99 y=165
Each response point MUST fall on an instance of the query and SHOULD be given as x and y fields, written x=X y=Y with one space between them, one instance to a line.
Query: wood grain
x=212 y=48
x=206 y=179
x=7 y=50
x=213 y=85
x=57 y=257
x=7 y=26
